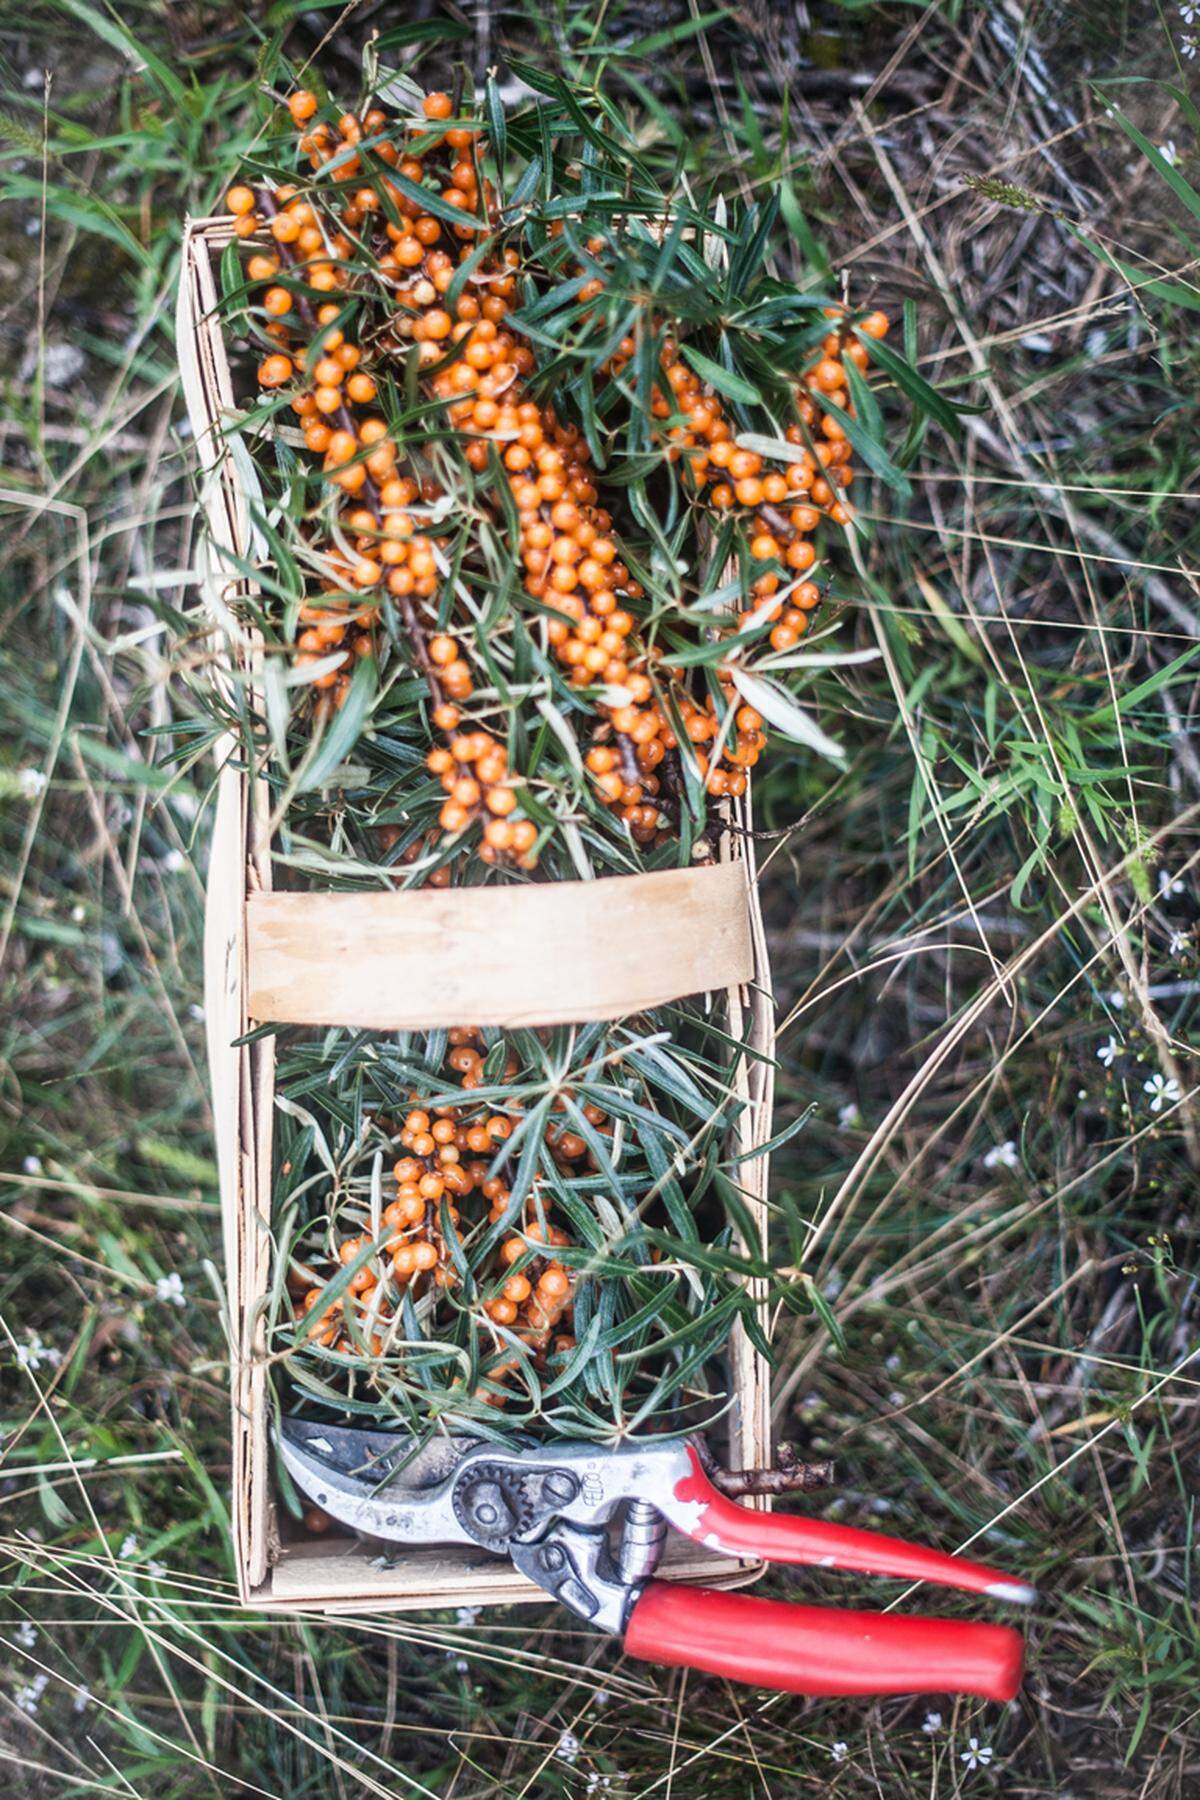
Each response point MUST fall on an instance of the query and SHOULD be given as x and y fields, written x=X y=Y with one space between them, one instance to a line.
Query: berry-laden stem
x=448 y=1158
x=479 y=371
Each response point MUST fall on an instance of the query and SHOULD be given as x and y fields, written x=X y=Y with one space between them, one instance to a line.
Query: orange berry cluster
x=786 y=503
x=382 y=509
x=478 y=374
x=449 y=1154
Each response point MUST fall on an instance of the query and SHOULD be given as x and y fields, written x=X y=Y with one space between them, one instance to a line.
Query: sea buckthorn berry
x=437 y=106
x=302 y=105
x=240 y=200
x=275 y=371
x=500 y=801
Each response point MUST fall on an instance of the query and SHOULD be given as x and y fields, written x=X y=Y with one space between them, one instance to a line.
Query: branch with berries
x=555 y=481
x=409 y=313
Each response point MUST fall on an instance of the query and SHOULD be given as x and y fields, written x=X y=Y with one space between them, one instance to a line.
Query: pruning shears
x=588 y=1525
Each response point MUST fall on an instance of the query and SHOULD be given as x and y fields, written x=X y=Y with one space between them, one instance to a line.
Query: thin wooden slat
x=554 y=954
x=341 y=1572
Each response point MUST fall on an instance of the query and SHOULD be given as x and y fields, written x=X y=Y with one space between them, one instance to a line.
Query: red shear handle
x=819 y=1650
x=703 y=1513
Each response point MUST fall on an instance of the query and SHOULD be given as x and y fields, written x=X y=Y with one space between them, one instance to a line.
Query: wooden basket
x=303 y=958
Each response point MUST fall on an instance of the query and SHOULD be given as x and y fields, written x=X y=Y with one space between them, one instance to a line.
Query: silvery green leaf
x=777 y=448
x=562 y=732
x=311 y=672
x=320 y=1144
x=780 y=710
x=573 y=839
x=824 y=659
x=716 y=253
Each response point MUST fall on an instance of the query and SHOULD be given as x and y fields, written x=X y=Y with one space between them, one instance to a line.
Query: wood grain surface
x=535 y=955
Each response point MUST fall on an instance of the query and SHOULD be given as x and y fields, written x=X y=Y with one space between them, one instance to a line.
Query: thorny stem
x=341 y=418
x=629 y=766
x=408 y=612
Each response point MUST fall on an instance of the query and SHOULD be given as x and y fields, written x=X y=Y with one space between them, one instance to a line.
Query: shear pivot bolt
x=559 y=1487
x=489 y=1508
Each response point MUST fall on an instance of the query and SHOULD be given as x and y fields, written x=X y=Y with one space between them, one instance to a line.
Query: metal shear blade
x=383 y=1484
x=468 y=1491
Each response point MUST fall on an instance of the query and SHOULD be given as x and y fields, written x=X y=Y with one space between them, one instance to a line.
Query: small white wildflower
x=839 y=1751
x=567 y=1747
x=61 y=363
x=849 y=1115
x=1169 y=884
x=1116 y=999
x=129 y=1546
x=33 y=1354
x=467 y=1615
x=1162 y=1091
x=82 y=1699
x=78 y=913
x=977 y=1755
x=1181 y=941
x=892 y=1362
x=1038 y=342
x=1169 y=153
x=169 y=1289
x=596 y=1782
x=933 y=1722
x=834 y=1284
x=1109 y=1052
x=1002 y=1156
x=156 y=1570
x=196 y=1012
x=601 y=1697
x=1189 y=11
x=31 y=783
x=32 y=1165
x=1189 y=47
x=174 y=862
x=27 y=1697
x=26 y=1634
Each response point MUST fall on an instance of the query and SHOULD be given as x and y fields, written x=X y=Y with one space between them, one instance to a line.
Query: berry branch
x=538 y=381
